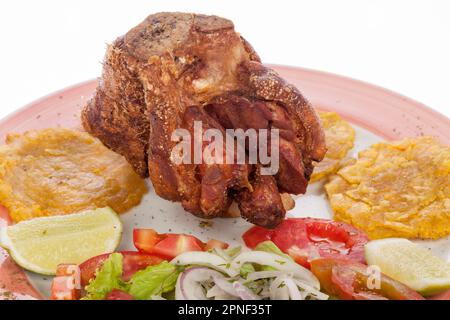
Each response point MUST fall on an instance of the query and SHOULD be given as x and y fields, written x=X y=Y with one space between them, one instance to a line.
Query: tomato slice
x=145 y=239
x=89 y=267
x=132 y=262
x=306 y=239
x=345 y=279
x=349 y=280
x=135 y=261
x=117 y=294
x=167 y=245
x=175 y=244
x=215 y=244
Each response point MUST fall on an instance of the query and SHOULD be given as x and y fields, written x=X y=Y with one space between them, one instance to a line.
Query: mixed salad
x=220 y=274
x=303 y=259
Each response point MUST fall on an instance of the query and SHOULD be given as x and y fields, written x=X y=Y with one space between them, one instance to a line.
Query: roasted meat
x=176 y=68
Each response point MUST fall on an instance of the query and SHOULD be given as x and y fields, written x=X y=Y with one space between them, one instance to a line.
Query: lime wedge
x=39 y=245
x=410 y=264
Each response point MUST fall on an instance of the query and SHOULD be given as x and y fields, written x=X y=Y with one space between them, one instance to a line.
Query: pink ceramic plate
x=378 y=111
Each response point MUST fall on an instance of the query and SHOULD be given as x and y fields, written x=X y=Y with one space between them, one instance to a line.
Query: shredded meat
x=177 y=68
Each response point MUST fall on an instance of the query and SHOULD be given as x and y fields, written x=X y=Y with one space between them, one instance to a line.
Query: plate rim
x=77 y=86
x=39 y=104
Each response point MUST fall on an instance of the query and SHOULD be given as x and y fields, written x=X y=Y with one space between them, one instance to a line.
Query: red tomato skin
x=133 y=261
x=145 y=239
x=255 y=235
x=302 y=257
x=305 y=239
x=167 y=245
x=215 y=244
x=117 y=294
x=343 y=278
x=347 y=280
x=353 y=239
x=175 y=244
x=90 y=266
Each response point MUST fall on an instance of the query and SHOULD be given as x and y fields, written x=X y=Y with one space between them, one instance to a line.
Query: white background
x=400 y=45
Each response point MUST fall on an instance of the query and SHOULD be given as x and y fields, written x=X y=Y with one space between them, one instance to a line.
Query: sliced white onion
x=189 y=286
x=215 y=291
x=221 y=253
x=225 y=297
x=281 y=284
x=218 y=294
x=308 y=288
x=311 y=291
x=254 y=276
x=265 y=292
x=243 y=292
x=202 y=259
x=275 y=261
x=294 y=293
x=226 y=286
x=278 y=290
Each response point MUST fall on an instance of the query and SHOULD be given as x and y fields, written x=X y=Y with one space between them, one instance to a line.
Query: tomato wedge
x=175 y=244
x=349 y=280
x=170 y=245
x=306 y=239
x=145 y=239
x=132 y=262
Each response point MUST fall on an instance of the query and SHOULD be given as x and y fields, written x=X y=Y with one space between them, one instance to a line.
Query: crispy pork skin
x=177 y=68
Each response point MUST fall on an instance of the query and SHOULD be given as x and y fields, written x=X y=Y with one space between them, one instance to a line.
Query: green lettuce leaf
x=266 y=268
x=246 y=269
x=107 y=278
x=154 y=280
x=269 y=246
x=233 y=252
x=266 y=246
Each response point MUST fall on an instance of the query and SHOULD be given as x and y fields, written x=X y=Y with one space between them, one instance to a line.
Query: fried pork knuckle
x=177 y=68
